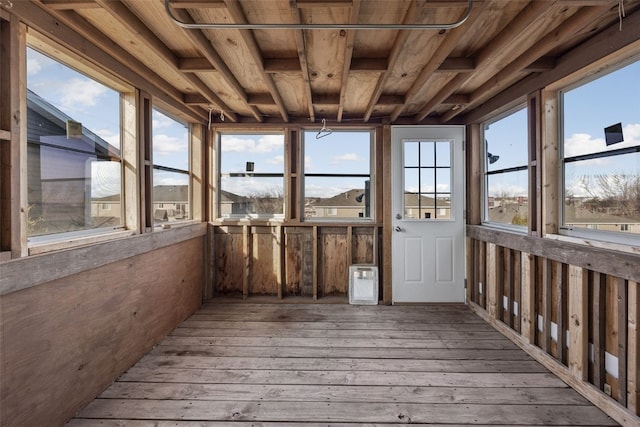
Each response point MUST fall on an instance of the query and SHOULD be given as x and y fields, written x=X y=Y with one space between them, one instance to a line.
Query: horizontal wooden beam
x=327 y=99
x=260 y=99
x=545 y=63
x=195 y=99
x=281 y=65
x=5 y=135
x=192 y=65
x=391 y=100
x=70 y=5
x=457 y=99
x=457 y=64
x=369 y=64
x=194 y=4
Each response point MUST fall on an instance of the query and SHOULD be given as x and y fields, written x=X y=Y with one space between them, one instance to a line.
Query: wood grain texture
x=63 y=342
x=261 y=364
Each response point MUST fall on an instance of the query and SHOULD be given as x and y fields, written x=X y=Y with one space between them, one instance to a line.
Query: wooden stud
x=246 y=254
x=547 y=282
x=315 y=262
x=633 y=348
x=578 y=357
x=492 y=282
x=386 y=215
x=559 y=280
x=598 y=326
x=548 y=182
x=145 y=163
x=517 y=286
x=622 y=310
x=474 y=174
x=507 y=276
x=528 y=321
x=470 y=268
x=535 y=195
x=483 y=263
x=279 y=260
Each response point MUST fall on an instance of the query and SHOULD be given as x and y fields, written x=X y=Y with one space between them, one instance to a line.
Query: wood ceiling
x=341 y=75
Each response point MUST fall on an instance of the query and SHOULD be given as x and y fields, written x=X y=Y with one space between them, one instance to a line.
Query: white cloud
x=78 y=92
x=277 y=160
x=582 y=143
x=324 y=191
x=509 y=190
x=263 y=144
x=347 y=157
x=109 y=136
x=34 y=66
x=308 y=163
x=160 y=121
x=251 y=186
x=165 y=145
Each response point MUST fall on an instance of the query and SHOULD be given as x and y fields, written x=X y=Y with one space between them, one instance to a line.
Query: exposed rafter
x=348 y=54
x=302 y=57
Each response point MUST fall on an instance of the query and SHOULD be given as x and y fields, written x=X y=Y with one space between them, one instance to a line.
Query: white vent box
x=363 y=284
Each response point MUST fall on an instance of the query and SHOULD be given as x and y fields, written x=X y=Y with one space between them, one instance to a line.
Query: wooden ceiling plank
x=348 y=55
x=195 y=99
x=261 y=99
x=238 y=16
x=309 y=4
x=70 y=5
x=202 y=43
x=396 y=51
x=545 y=63
x=444 y=49
x=195 y=65
x=302 y=57
x=328 y=99
x=391 y=100
x=376 y=65
x=569 y=28
x=134 y=25
x=457 y=99
x=281 y=65
x=93 y=40
x=527 y=16
x=202 y=4
x=460 y=65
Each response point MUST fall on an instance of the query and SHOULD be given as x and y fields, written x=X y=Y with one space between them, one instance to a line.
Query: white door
x=428 y=214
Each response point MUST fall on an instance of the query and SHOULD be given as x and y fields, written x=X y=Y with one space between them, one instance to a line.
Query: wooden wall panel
x=228 y=260
x=362 y=241
x=264 y=262
x=333 y=261
x=65 y=341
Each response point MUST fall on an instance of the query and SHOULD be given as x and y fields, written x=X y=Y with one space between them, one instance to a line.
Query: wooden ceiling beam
x=398 y=46
x=455 y=64
x=376 y=65
x=282 y=65
x=545 y=63
x=195 y=99
x=134 y=25
x=302 y=57
x=81 y=37
x=202 y=43
x=451 y=39
x=261 y=99
x=457 y=99
x=70 y=5
x=194 y=65
x=354 y=13
x=527 y=16
x=504 y=78
x=237 y=14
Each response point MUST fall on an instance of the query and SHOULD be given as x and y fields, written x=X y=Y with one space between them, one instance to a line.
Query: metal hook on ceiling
x=209 y=26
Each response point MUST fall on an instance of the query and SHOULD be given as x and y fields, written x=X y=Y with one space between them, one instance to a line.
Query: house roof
x=170 y=193
x=440 y=73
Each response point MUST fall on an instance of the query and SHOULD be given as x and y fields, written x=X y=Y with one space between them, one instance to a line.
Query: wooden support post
x=528 y=299
x=315 y=262
x=246 y=254
x=561 y=297
x=578 y=323
x=547 y=273
x=280 y=260
x=621 y=285
x=633 y=348
x=386 y=216
x=492 y=283
x=599 y=325
x=482 y=275
x=517 y=289
x=474 y=152
x=508 y=287
x=470 y=267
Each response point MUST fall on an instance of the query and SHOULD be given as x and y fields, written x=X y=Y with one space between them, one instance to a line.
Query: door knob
x=398 y=228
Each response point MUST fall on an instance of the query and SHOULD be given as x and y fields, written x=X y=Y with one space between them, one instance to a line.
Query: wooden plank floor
x=250 y=364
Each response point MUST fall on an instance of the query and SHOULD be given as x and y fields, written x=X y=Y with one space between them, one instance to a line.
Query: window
x=601 y=154
x=170 y=169
x=427 y=179
x=506 y=175
x=337 y=175
x=74 y=167
x=251 y=175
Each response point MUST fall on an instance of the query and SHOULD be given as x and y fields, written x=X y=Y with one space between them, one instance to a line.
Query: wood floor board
x=551 y=415
x=337 y=365
x=344 y=364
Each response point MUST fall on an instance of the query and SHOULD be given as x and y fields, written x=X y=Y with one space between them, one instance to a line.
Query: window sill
x=42 y=244
x=595 y=243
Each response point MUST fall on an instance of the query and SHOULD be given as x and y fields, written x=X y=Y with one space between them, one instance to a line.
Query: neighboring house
x=170 y=202
x=60 y=166
x=426 y=207
x=349 y=204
